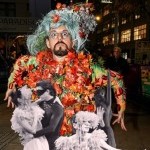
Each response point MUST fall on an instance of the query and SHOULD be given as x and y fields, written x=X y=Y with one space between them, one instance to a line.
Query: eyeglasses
x=64 y=34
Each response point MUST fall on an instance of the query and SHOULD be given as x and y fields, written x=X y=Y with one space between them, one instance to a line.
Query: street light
x=98 y=18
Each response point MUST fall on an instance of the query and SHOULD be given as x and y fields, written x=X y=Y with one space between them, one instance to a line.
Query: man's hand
x=8 y=97
x=120 y=119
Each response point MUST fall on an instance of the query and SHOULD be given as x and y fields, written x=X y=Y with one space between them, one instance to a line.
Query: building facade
x=15 y=24
x=129 y=30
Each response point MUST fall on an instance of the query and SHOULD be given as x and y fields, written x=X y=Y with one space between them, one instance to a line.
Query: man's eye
x=53 y=35
x=65 y=34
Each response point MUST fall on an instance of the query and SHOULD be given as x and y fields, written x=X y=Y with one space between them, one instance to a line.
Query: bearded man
x=57 y=54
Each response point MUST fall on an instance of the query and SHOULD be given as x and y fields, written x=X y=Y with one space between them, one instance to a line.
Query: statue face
x=26 y=92
x=59 y=41
x=43 y=94
x=86 y=126
x=82 y=126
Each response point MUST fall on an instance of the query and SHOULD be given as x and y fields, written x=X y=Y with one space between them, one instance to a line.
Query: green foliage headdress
x=77 y=19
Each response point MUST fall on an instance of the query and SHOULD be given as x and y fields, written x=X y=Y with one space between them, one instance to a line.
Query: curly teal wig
x=75 y=22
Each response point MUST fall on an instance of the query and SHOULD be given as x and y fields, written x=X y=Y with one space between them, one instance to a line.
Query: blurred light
x=106 y=1
x=98 y=18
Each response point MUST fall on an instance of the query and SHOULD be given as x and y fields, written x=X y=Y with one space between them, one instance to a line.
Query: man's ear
x=47 y=43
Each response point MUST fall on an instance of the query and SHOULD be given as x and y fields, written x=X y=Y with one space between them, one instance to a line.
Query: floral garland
x=71 y=80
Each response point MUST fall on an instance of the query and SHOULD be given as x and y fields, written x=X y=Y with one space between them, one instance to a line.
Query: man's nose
x=59 y=37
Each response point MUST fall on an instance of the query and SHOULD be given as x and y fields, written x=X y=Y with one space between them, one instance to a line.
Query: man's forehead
x=60 y=28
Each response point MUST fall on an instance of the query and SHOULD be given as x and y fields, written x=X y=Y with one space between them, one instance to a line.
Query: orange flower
x=81 y=56
x=66 y=127
x=89 y=107
x=69 y=113
x=57 y=88
x=77 y=107
x=70 y=56
x=68 y=100
x=63 y=130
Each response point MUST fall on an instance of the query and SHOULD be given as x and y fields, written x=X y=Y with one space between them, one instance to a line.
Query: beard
x=60 y=49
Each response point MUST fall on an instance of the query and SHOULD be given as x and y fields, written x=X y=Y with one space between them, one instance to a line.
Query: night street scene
x=105 y=51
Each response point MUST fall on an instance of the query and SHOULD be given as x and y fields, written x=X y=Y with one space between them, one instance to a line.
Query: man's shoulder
x=26 y=60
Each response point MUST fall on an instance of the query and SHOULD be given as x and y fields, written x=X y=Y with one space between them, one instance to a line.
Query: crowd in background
x=7 y=60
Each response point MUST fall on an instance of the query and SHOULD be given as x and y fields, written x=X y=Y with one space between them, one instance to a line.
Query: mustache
x=60 y=43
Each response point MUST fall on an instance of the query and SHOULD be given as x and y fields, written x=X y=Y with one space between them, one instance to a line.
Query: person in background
x=117 y=63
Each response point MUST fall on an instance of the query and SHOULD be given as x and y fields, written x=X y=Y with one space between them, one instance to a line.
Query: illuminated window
x=125 y=35
x=140 y=32
x=113 y=23
x=105 y=40
x=123 y=21
x=106 y=27
x=137 y=16
x=108 y=40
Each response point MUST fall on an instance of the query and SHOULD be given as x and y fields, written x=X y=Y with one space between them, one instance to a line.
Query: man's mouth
x=60 y=49
x=60 y=52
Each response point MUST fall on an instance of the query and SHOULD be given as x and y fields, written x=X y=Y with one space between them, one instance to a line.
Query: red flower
x=82 y=34
x=76 y=8
x=112 y=74
x=89 y=107
x=56 y=18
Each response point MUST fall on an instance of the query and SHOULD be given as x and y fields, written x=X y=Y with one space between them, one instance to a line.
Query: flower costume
x=75 y=81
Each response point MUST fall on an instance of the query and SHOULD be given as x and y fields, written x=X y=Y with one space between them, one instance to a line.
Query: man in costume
x=56 y=49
